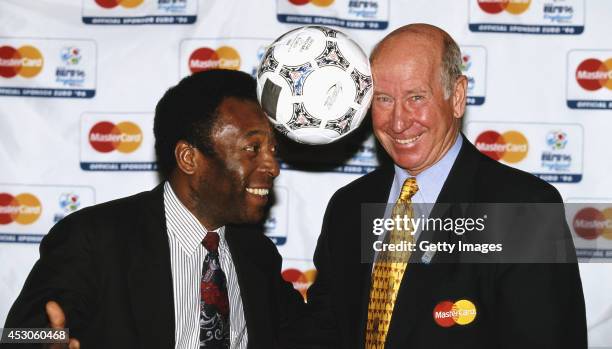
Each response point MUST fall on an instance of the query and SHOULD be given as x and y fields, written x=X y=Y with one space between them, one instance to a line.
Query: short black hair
x=188 y=111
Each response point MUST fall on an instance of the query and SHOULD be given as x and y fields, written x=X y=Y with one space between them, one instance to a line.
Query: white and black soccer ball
x=315 y=84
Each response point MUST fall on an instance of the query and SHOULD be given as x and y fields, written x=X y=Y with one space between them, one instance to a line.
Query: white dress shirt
x=185 y=235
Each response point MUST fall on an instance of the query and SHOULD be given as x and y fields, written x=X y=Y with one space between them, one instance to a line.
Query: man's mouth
x=408 y=140
x=258 y=191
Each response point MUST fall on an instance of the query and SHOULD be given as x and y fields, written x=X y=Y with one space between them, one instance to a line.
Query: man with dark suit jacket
x=178 y=266
x=419 y=100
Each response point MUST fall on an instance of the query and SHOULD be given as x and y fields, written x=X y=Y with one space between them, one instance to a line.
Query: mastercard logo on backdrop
x=590 y=223
x=593 y=74
x=300 y=280
x=319 y=3
x=124 y=137
x=24 y=208
x=515 y=7
x=123 y=3
x=25 y=61
x=204 y=58
x=510 y=146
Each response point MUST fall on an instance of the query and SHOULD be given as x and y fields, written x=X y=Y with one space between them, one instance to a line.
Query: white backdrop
x=72 y=71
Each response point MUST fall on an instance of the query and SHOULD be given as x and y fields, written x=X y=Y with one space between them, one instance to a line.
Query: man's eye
x=252 y=148
x=416 y=98
x=383 y=99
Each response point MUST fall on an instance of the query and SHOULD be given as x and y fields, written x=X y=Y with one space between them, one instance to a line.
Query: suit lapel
x=150 y=276
x=253 y=282
x=419 y=278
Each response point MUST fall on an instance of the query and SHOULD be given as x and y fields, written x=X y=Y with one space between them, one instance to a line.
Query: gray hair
x=451 y=65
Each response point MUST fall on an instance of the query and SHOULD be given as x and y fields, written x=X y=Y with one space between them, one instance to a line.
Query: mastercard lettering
x=23 y=209
x=510 y=146
x=593 y=74
x=204 y=58
x=26 y=61
x=515 y=7
x=448 y=314
x=125 y=137
x=590 y=223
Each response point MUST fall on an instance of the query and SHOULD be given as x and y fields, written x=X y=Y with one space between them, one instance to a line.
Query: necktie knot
x=211 y=241
x=409 y=188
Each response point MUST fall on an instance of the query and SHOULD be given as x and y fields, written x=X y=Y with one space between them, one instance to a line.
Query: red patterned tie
x=214 y=303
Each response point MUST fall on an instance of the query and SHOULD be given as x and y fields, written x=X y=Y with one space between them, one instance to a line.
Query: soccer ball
x=315 y=85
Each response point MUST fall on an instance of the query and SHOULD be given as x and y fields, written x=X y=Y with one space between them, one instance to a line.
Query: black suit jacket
x=109 y=267
x=518 y=305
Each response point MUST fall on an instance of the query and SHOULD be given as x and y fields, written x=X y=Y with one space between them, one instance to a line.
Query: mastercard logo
x=319 y=3
x=26 y=61
x=23 y=209
x=515 y=7
x=124 y=137
x=511 y=146
x=593 y=74
x=205 y=58
x=300 y=280
x=590 y=223
x=122 y=3
x=448 y=314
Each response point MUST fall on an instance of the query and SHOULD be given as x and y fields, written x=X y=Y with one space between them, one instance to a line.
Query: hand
x=57 y=320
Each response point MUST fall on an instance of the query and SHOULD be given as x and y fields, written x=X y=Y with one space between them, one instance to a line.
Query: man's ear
x=186 y=156
x=459 y=96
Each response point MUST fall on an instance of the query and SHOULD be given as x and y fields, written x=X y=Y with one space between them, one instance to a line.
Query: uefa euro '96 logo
x=25 y=61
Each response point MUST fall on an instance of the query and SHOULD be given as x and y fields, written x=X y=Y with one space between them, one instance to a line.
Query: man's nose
x=401 y=118
x=270 y=164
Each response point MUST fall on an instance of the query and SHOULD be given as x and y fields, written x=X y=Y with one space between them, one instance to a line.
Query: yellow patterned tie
x=388 y=272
